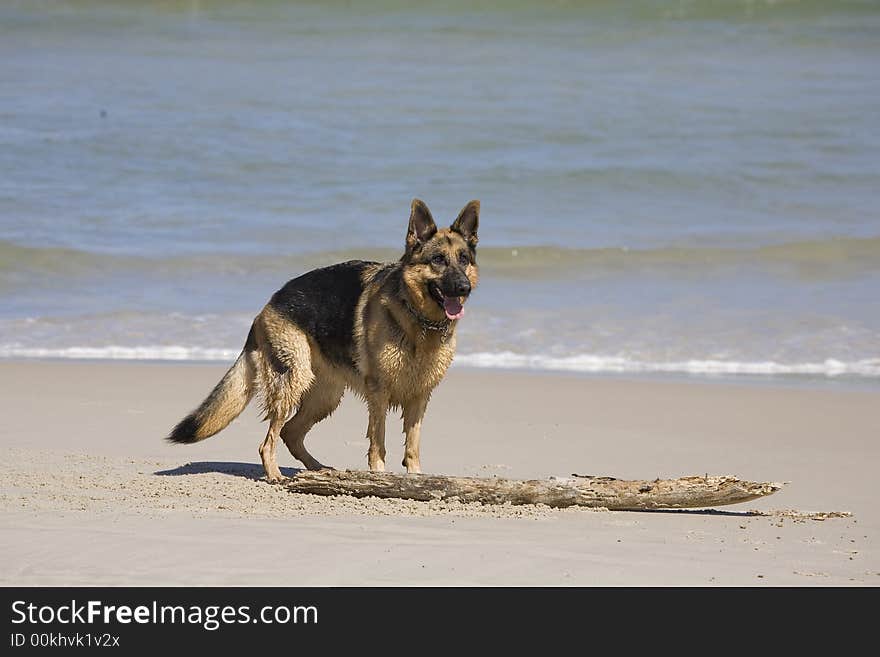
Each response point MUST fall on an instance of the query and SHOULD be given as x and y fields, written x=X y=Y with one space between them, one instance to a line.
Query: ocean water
x=681 y=187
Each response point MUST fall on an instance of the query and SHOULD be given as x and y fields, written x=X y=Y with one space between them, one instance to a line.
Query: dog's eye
x=464 y=259
x=439 y=259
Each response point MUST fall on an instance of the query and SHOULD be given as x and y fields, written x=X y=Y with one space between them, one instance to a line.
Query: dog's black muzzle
x=453 y=284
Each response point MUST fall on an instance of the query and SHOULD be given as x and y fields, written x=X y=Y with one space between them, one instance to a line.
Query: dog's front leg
x=413 y=412
x=376 y=433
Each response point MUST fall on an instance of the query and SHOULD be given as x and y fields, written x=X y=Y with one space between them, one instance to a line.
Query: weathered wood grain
x=607 y=492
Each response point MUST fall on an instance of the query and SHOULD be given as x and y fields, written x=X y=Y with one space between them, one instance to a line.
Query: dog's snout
x=461 y=287
x=455 y=283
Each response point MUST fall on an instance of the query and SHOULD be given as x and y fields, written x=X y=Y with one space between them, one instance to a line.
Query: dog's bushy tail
x=225 y=403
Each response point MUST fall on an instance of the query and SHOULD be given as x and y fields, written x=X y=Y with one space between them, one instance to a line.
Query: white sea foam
x=618 y=364
x=586 y=363
x=114 y=352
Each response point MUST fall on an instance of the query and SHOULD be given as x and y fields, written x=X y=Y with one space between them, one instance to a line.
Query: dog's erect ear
x=421 y=225
x=467 y=222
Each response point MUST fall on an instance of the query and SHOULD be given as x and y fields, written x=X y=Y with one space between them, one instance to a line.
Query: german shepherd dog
x=384 y=330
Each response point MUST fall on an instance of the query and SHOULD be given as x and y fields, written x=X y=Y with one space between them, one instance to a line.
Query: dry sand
x=91 y=495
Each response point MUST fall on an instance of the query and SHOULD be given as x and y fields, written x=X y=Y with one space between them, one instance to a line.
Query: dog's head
x=440 y=266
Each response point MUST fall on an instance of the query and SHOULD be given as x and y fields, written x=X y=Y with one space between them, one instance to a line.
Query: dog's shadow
x=253 y=471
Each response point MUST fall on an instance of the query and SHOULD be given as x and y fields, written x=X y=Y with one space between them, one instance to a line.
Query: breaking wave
x=585 y=363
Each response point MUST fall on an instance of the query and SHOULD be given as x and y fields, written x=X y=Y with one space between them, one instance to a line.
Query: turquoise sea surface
x=667 y=187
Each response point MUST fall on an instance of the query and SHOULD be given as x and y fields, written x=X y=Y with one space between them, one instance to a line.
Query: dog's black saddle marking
x=323 y=303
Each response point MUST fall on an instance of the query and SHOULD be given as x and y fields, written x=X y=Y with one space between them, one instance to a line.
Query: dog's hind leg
x=317 y=403
x=284 y=373
x=267 y=450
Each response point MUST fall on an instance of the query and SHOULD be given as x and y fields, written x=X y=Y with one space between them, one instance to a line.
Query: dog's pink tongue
x=453 y=308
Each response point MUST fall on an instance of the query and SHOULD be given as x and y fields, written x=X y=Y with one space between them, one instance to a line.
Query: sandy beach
x=91 y=495
x=679 y=255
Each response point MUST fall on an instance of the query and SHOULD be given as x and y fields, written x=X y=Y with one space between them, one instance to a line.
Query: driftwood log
x=578 y=490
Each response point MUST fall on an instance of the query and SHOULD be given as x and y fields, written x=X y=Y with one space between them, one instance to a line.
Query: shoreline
x=91 y=493
x=844 y=382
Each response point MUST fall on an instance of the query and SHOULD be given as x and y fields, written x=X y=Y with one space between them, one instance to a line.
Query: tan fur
x=288 y=371
x=403 y=375
x=228 y=399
